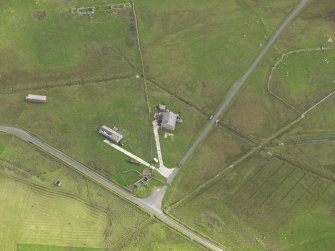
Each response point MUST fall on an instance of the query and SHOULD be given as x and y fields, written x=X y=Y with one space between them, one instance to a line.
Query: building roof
x=169 y=120
x=111 y=134
x=162 y=107
x=36 y=97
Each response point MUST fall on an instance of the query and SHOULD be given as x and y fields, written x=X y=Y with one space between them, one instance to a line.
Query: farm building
x=111 y=134
x=36 y=98
x=161 y=108
x=169 y=120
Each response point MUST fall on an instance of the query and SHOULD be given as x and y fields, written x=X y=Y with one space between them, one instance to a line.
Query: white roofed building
x=36 y=98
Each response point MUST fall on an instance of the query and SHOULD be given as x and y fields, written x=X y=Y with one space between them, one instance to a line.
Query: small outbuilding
x=111 y=134
x=36 y=98
x=161 y=108
x=169 y=120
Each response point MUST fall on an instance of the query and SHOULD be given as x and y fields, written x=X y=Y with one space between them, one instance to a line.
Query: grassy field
x=311 y=29
x=304 y=78
x=265 y=204
x=199 y=49
x=80 y=214
x=28 y=247
x=220 y=150
x=316 y=125
x=43 y=43
x=71 y=119
x=32 y=214
x=283 y=203
x=254 y=112
x=158 y=237
x=77 y=195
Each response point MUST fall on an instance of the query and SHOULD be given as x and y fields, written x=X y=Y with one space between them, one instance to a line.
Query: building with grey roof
x=168 y=121
x=111 y=134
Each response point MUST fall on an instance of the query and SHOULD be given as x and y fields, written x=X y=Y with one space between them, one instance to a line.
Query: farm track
x=143 y=76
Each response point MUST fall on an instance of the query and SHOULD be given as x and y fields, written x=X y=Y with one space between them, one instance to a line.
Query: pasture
x=28 y=247
x=219 y=151
x=156 y=236
x=317 y=125
x=33 y=214
x=304 y=78
x=73 y=115
x=43 y=43
x=80 y=215
x=265 y=204
x=22 y=161
x=285 y=201
x=199 y=49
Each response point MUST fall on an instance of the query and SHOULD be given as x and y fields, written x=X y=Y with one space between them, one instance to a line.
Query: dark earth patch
x=39 y=15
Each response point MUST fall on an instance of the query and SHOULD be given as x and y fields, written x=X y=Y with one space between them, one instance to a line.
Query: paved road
x=237 y=86
x=152 y=205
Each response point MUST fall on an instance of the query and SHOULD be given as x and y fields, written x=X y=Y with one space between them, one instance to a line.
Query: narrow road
x=148 y=205
x=238 y=85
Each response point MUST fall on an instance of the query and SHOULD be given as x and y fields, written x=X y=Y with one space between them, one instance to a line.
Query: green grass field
x=28 y=247
x=265 y=204
x=304 y=78
x=158 y=237
x=194 y=50
x=79 y=215
x=311 y=29
x=199 y=49
x=23 y=161
x=220 y=150
x=283 y=203
x=43 y=43
x=71 y=119
x=32 y=214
